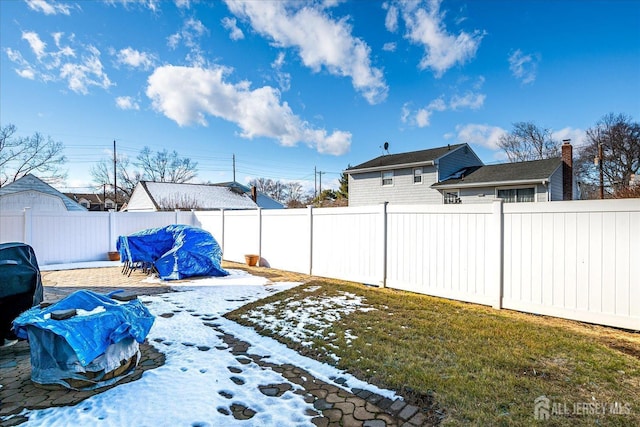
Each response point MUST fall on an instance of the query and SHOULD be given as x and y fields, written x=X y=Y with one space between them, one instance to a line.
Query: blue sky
x=289 y=86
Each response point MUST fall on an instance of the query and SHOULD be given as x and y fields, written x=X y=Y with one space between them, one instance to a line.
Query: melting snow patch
x=302 y=321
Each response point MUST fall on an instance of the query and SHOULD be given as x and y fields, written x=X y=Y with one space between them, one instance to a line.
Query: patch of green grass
x=470 y=364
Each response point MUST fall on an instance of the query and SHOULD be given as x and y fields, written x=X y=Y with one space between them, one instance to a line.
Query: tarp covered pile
x=176 y=251
x=93 y=348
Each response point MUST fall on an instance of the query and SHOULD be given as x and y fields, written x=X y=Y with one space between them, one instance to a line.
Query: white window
x=517 y=195
x=452 y=197
x=387 y=178
x=85 y=204
x=108 y=205
x=417 y=176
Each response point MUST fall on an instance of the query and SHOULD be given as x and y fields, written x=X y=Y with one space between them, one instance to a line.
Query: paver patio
x=332 y=405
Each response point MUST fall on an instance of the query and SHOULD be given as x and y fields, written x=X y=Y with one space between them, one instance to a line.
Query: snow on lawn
x=195 y=384
x=303 y=320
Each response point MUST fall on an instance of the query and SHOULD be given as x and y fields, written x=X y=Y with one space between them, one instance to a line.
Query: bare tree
x=166 y=167
x=528 y=142
x=127 y=178
x=617 y=136
x=294 y=193
x=288 y=193
x=20 y=156
x=160 y=167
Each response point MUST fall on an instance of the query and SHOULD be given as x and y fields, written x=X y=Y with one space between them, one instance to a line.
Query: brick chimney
x=567 y=170
x=254 y=194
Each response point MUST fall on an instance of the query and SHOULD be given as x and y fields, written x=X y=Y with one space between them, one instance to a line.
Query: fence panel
x=347 y=244
x=576 y=260
x=286 y=239
x=11 y=226
x=443 y=251
x=212 y=222
x=63 y=237
x=131 y=222
x=241 y=234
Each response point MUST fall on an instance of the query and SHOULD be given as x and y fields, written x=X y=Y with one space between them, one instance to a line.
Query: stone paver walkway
x=333 y=405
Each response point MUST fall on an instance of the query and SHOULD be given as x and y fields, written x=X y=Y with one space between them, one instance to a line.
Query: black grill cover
x=20 y=283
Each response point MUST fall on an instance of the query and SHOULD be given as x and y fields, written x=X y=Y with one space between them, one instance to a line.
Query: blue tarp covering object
x=90 y=335
x=97 y=340
x=176 y=251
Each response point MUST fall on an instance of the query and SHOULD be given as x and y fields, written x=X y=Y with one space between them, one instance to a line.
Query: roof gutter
x=391 y=167
x=461 y=184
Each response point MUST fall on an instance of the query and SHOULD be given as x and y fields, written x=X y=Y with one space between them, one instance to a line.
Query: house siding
x=140 y=201
x=463 y=157
x=555 y=185
x=480 y=195
x=35 y=200
x=367 y=189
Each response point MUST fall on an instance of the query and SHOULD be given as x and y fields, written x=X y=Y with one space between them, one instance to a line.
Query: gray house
x=31 y=192
x=455 y=174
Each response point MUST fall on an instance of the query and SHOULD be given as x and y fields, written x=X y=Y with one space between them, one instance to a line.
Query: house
x=151 y=196
x=455 y=174
x=93 y=202
x=262 y=200
x=31 y=192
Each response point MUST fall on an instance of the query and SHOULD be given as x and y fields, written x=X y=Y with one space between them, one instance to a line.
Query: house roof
x=502 y=174
x=263 y=201
x=91 y=197
x=169 y=196
x=30 y=182
x=412 y=158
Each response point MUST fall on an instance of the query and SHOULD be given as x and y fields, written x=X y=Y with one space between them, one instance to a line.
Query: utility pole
x=115 y=186
x=315 y=183
x=320 y=191
x=234 y=168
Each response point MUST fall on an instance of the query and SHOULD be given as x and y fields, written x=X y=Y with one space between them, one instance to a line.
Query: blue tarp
x=90 y=335
x=176 y=251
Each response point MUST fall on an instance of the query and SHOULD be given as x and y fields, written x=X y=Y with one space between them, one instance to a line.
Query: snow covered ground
x=195 y=381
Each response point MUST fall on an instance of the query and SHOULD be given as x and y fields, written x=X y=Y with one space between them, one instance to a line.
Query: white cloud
x=425 y=26
x=470 y=100
x=524 y=67
x=578 y=137
x=48 y=7
x=321 y=42
x=191 y=31
x=230 y=24
x=480 y=134
x=61 y=63
x=422 y=116
x=283 y=78
x=35 y=43
x=127 y=103
x=391 y=19
x=183 y=4
x=187 y=95
x=87 y=72
x=389 y=47
x=134 y=58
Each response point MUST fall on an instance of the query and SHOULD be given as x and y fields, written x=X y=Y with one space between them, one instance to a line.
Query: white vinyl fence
x=578 y=260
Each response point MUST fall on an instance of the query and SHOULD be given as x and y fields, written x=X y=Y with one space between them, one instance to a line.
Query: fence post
x=28 y=226
x=177 y=216
x=222 y=230
x=310 y=215
x=259 y=235
x=384 y=244
x=112 y=230
x=498 y=249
